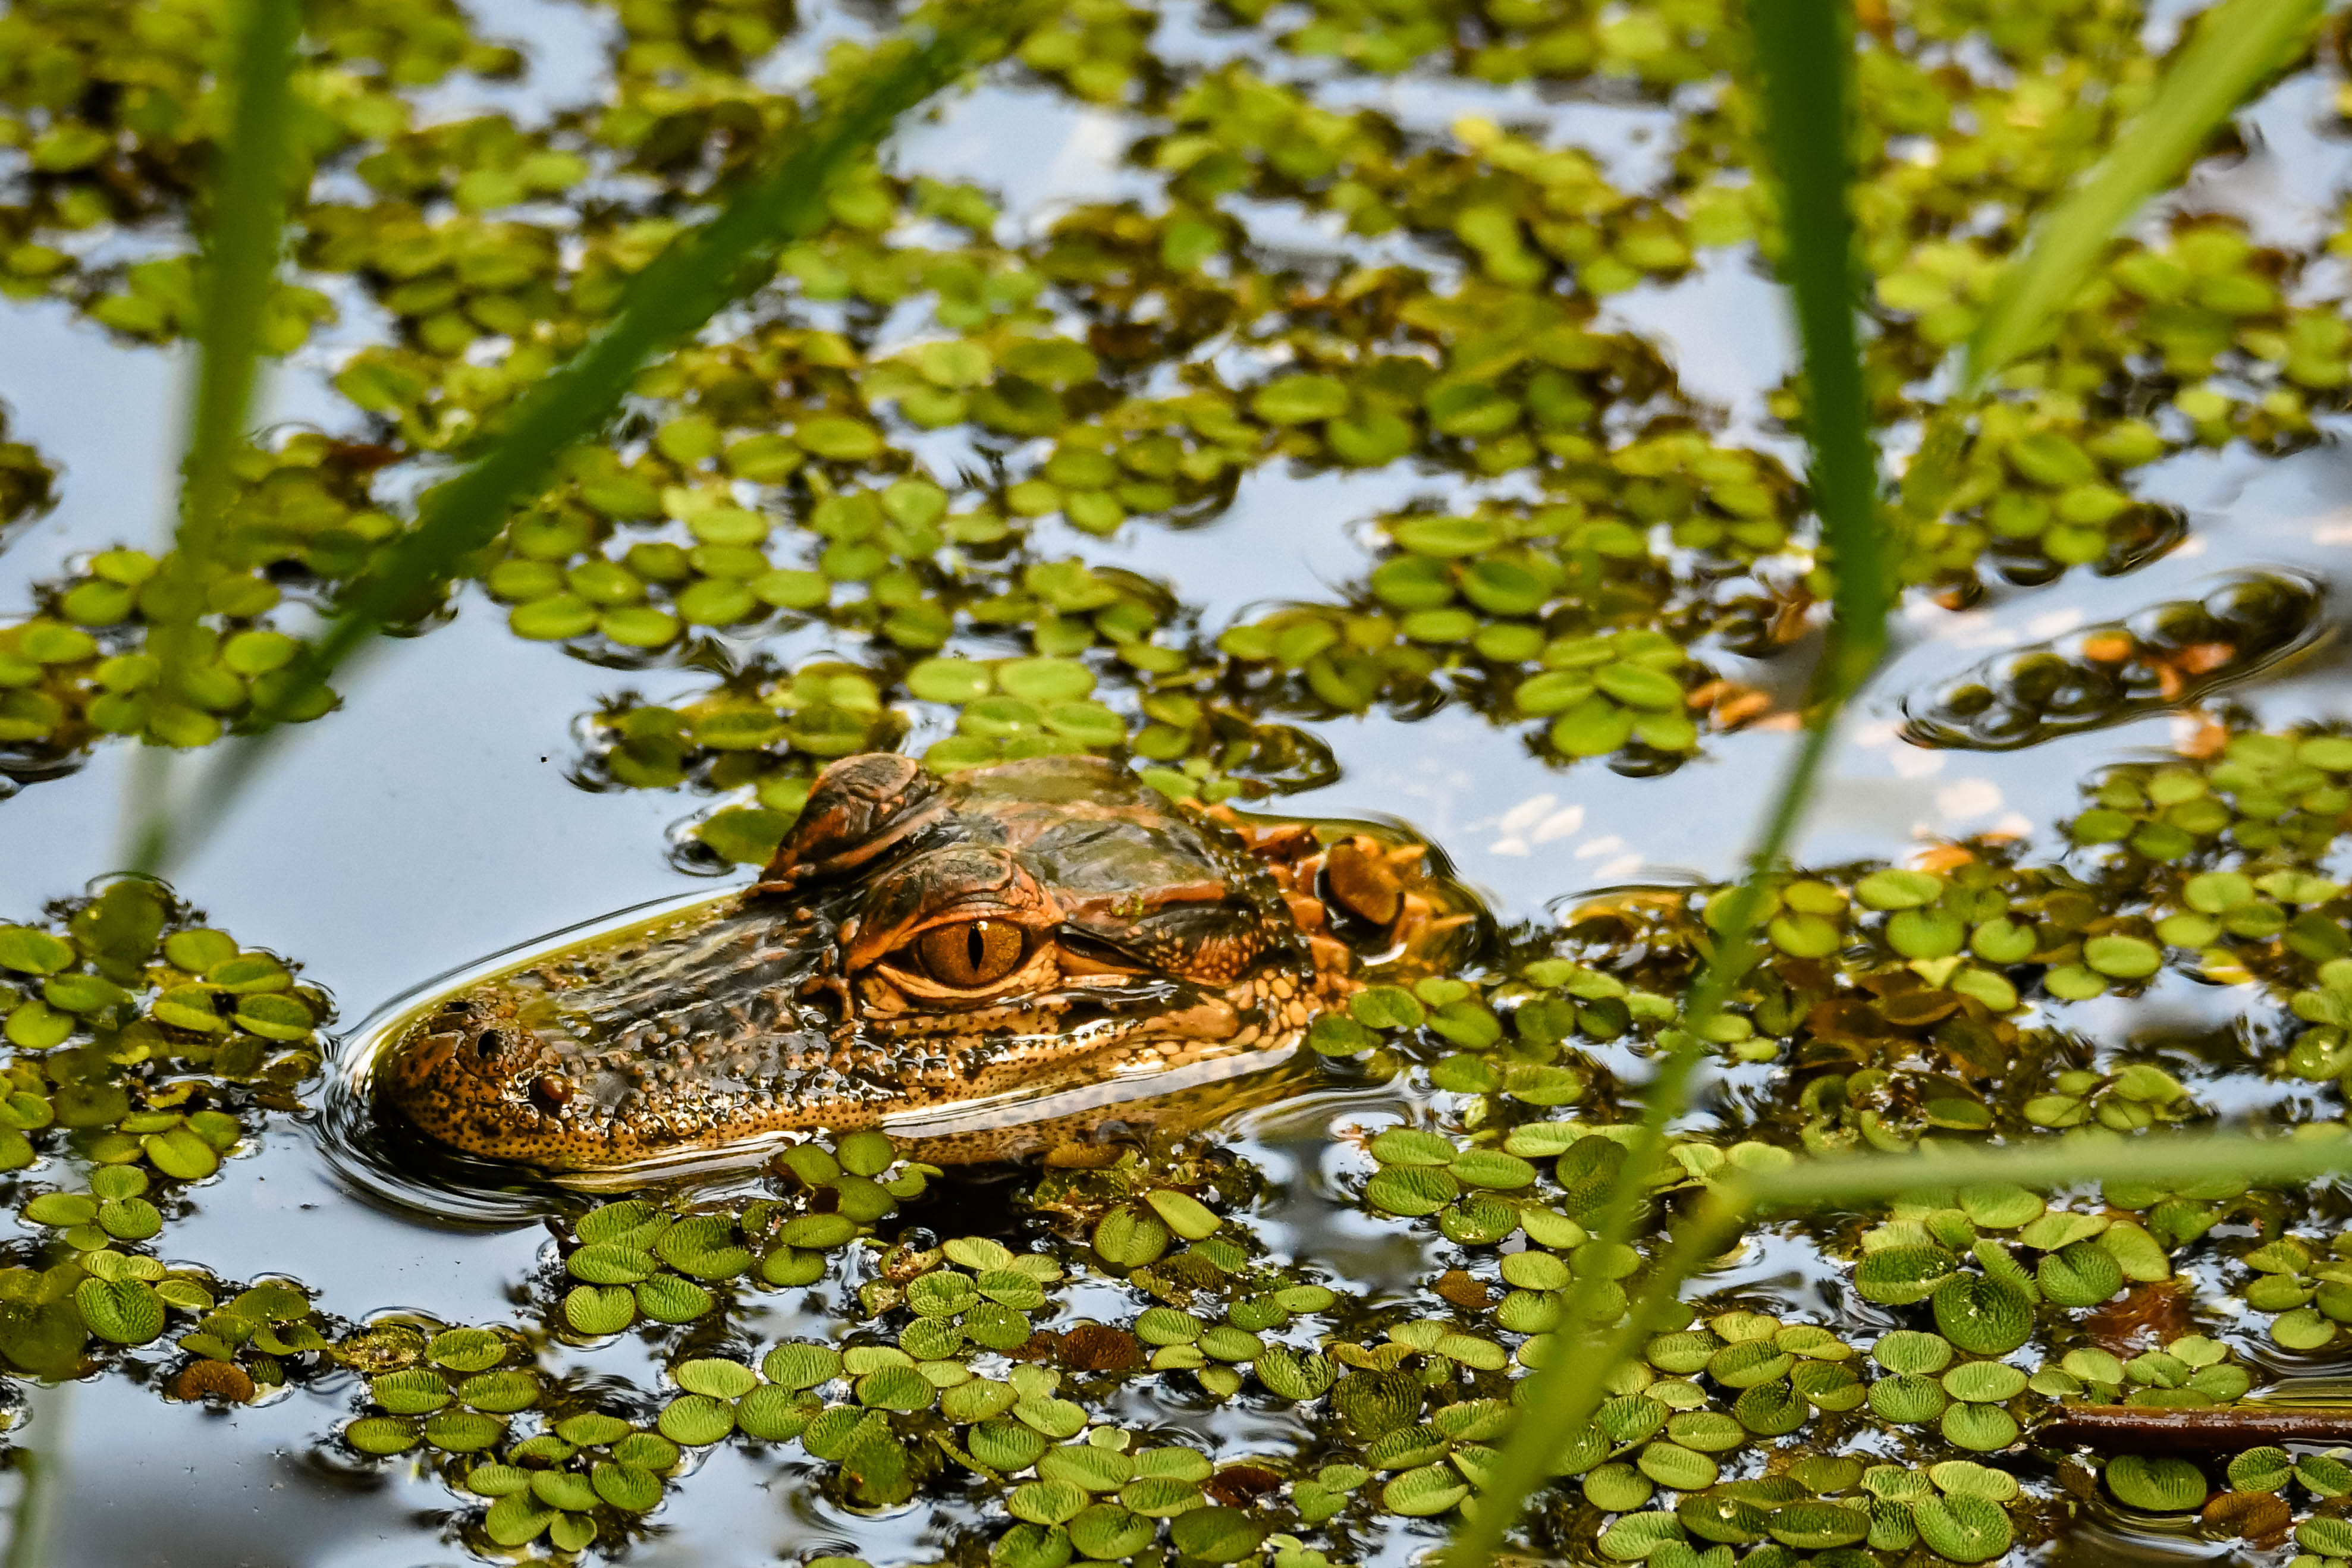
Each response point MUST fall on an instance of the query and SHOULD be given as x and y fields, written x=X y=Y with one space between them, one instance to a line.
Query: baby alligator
x=989 y=963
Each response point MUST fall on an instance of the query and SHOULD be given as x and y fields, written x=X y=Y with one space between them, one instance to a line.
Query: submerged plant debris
x=873 y=507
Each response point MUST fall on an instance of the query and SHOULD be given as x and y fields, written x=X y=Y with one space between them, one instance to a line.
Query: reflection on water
x=2169 y=655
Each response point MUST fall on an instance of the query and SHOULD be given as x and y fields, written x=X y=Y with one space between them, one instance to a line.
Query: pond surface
x=1370 y=415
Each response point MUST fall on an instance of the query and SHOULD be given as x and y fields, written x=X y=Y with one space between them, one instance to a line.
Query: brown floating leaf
x=2146 y=1314
x=1846 y=1022
x=1039 y=1346
x=213 y=1380
x=1978 y=1050
x=1098 y=1347
x=1463 y=1291
x=1236 y=1486
x=2260 y=1517
x=1918 y=1009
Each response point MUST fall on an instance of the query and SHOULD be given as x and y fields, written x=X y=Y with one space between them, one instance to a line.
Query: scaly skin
x=918 y=946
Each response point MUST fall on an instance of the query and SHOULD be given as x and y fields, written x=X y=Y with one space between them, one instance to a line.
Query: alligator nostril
x=489 y=1043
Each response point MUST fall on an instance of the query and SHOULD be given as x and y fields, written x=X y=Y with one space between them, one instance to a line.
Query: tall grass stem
x=1803 y=52
x=249 y=183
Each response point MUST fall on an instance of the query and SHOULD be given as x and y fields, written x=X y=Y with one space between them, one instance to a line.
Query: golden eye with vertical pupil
x=971 y=953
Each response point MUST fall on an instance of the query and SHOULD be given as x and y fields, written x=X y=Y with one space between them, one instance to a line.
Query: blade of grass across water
x=1803 y=49
x=41 y=1461
x=1720 y=1217
x=2239 y=44
x=247 y=224
x=700 y=272
x=2174 y=1160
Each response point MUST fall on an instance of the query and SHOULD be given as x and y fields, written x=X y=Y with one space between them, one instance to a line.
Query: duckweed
x=772 y=477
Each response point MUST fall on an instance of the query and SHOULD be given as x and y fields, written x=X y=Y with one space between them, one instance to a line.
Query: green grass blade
x=1803 y=52
x=1569 y=1386
x=692 y=279
x=2171 y=1161
x=40 y=1460
x=247 y=232
x=1719 y=1216
x=2239 y=44
x=249 y=224
x=682 y=288
x=1801 y=46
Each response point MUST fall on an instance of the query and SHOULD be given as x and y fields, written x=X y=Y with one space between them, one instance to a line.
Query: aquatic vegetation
x=1568 y=619
x=660 y=539
x=873 y=505
x=115 y=123
x=145 y=1047
x=1556 y=615
x=27 y=480
x=1912 y=1003
x=80 y=669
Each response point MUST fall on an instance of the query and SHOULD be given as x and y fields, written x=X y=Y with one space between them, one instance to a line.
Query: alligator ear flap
x=859 y=806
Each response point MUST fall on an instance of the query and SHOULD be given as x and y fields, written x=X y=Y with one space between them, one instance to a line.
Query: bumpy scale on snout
x=980 y=945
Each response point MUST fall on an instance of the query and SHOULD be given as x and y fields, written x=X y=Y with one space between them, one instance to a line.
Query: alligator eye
x=973 y=953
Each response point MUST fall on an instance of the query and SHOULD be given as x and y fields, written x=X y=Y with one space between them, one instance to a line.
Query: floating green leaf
x=1983 y=1315
x=1961 y=1528
x=2158 y=1484
x=696 y=1419
x=126 y=1311
x=718 y=1378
